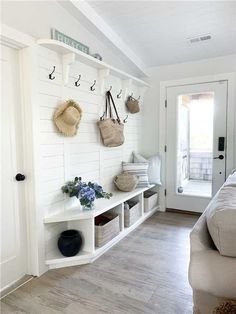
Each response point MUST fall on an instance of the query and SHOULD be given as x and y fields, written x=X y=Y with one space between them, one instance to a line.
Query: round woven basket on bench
x=227 y=307
x=126 y=182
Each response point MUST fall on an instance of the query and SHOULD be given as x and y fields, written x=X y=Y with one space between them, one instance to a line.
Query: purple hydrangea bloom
x=87 y=193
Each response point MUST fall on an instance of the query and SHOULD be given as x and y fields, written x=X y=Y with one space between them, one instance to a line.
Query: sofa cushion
x=221 y=220
x=231 y=180
x=213 y=273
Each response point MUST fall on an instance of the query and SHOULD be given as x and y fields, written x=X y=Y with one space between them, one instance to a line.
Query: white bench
x=76 y=218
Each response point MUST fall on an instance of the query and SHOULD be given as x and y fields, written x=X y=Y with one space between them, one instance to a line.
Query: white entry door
x=196 y=144
x=13 y=226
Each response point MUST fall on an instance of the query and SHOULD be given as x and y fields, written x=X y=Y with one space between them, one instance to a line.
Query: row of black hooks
x=77 y=84
x=51 y=76
x=92 y=87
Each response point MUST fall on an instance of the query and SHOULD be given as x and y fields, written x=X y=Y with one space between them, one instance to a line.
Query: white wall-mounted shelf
x=84 y=221
x=71 y=54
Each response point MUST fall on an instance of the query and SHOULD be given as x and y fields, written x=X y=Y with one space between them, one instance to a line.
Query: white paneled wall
x=62 y=158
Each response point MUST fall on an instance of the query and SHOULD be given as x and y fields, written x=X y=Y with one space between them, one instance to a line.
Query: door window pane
x=195 y=144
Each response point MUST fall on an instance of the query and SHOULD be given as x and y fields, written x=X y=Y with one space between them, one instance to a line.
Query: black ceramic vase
x=70 y=242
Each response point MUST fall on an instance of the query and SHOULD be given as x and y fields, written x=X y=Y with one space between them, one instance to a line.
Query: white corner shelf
x=84 y=220
x=71 y=54
x=75 y=213
x=56 y=260
x=101 y=206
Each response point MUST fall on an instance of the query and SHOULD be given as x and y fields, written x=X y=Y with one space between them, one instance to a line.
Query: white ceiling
x=157 y=30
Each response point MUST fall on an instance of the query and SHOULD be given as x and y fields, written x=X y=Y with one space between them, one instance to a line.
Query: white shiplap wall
x=62 y=158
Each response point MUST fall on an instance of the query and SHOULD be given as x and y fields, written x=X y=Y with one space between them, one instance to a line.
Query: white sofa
x=212 y=268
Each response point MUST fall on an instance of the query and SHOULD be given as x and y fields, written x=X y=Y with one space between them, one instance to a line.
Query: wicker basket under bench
x=132 y=214
x=150 y=200
x=106 y=232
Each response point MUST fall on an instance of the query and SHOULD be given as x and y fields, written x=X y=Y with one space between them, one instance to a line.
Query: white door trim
x=14 y=39
x=231 y=156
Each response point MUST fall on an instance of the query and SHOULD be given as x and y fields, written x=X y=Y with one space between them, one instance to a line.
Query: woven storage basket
x=150 y=200
x=131 y=215
x=107 y=232
x=126 y=182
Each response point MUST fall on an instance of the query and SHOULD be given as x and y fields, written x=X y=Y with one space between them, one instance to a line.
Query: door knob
x=219 y=157
x=20 y=177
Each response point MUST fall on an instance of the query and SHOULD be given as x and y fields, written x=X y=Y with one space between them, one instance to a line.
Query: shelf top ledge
x=62 y=48
x=101 y=206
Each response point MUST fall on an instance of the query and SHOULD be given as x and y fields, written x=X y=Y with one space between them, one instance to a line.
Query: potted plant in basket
x=85 y=192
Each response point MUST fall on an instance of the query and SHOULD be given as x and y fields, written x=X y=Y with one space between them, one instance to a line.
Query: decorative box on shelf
x=107 y=226
x=131 y=214
x=150 y=200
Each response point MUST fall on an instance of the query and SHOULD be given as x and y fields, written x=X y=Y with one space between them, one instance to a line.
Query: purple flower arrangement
x=85 y=192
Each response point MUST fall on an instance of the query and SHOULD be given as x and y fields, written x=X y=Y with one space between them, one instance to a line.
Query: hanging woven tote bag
x=112 y=130
x=132 y=105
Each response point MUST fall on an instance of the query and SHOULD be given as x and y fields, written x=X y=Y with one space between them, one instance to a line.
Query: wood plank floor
x=146 y=273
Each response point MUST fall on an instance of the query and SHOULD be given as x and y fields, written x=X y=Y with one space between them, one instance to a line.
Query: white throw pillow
x=221 y=220
x=154 y=169
x=139 y=158
x=140 y=170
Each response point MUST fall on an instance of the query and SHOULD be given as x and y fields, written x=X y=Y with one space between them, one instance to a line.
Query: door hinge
x=166 y=103
x=165 y=149
x=165 y=192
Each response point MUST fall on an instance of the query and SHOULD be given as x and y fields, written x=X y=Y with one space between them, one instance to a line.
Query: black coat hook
x=110 y=88
x=50 y=75
x=119 y=95
x=125 y=120
x=92 y=88
x=77 y=82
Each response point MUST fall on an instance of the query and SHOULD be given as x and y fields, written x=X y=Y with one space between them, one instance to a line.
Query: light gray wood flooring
x=146 y=273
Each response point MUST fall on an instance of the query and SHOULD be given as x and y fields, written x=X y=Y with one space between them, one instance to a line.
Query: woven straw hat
x=67 y=117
